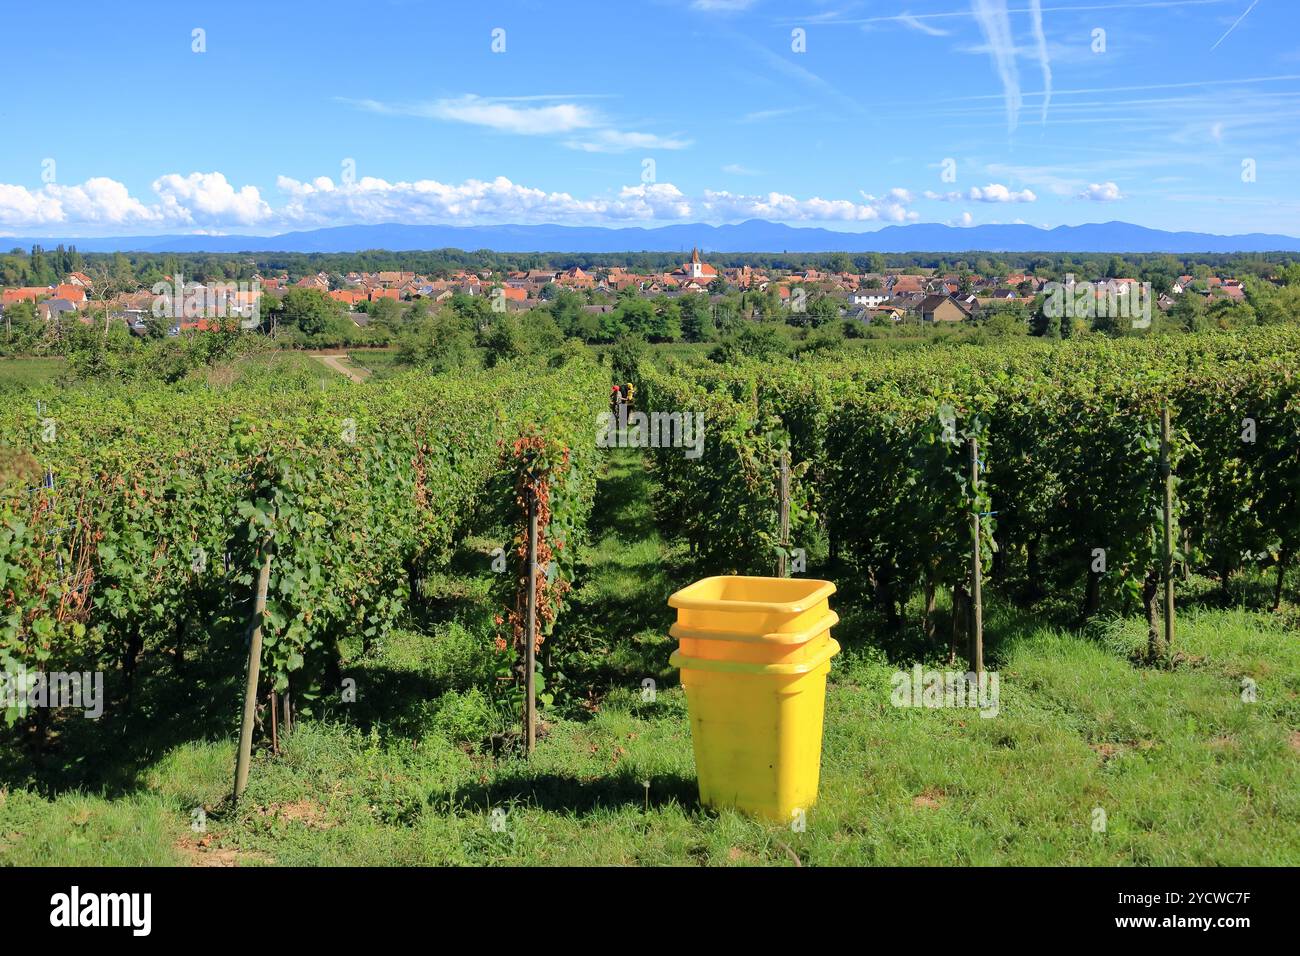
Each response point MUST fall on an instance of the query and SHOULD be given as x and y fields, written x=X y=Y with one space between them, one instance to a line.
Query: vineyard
x=390 y=522
x=1069 y=467
x=134 y=521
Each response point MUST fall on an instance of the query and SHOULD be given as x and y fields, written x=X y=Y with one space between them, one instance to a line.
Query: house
x=622 y=281
x=376 y=294
x=909 y=301
x=871 y=298
x=746 y=277
x=347 y=296
x=72 y=292
x=80 y=279
x=695 y=269
x=576 y=278
x=891 y=312
x=196 y=325
x=24 y=294
x=55 y=309
x=941 y=308
x=901 y=284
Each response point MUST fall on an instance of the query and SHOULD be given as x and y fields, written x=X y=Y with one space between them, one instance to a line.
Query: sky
x=148 y=118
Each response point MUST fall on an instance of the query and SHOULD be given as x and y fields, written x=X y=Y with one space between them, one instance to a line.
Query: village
x=873 y=297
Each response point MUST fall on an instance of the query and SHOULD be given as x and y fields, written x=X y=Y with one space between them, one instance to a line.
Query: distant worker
x=628 y=392
x=615 y=400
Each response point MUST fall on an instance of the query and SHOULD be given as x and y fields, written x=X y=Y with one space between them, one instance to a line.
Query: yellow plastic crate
x=754 y=654
x=750 y=605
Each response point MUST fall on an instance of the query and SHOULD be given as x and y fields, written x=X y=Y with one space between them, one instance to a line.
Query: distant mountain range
x=755 y=235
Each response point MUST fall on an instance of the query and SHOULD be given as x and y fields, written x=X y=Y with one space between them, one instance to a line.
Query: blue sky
x=850 y=114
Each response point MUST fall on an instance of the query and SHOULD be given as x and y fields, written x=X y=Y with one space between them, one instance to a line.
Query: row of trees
x=38 y=266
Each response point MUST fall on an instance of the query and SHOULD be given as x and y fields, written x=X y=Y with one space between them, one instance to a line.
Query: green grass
x=1187 y=772
x=25 y=371
x=380 y=364
x=287 y=368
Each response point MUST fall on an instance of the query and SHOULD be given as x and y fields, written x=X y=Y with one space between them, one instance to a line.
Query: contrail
x=1036 y=11
x=1252 y=6
x=996 y=26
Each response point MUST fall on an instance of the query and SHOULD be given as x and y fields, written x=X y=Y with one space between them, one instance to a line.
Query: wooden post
x=275 y=735
x=1166 y=471
x=977 y=603
x=530 y=641
x=254 y=669
x=783 y=558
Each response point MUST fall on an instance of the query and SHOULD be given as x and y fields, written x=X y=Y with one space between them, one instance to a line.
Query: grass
x=1186 y=771
x=287 y=369
x=381 y=364
x=23 y=371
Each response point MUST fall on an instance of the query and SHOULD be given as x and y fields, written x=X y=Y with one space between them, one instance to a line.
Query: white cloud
x=208 y=202
x=208 y=197
x=100 y=199
x=192 y=200
x=20 y=206
x=1101 y=192
x=497 y=113
x=993 y=192
x=721 y=6
x=780 y=207
x=757 y=116
x=504 y=116
x=615 y=141
x=375 y=200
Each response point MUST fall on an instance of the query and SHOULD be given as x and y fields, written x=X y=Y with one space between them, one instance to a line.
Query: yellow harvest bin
x=754 y=654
